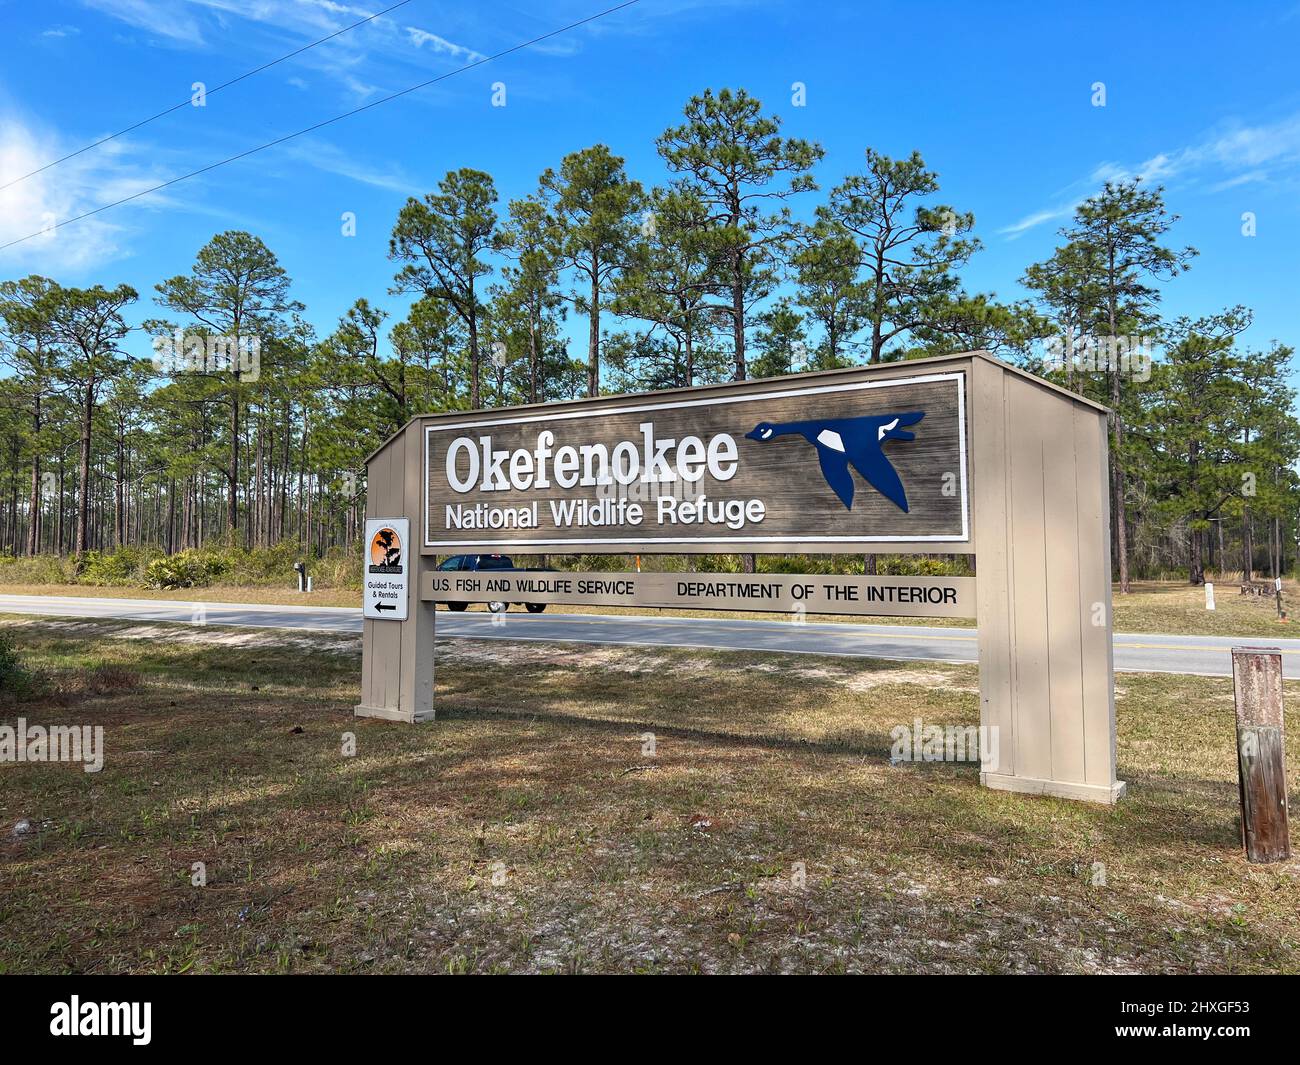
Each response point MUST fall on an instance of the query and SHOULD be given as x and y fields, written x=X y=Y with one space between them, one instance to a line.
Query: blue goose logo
x=859 y=442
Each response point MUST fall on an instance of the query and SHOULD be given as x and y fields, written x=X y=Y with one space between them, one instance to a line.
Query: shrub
x=337 y=570
x=917 y=566
x=16 y=681
x=186 y=569
x=261 y=565
x=126 y=565
x=43 y=569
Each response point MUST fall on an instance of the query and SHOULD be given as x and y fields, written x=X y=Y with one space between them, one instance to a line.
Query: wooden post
x=1261 y=753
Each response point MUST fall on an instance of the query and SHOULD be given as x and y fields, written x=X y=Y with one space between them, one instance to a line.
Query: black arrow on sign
x=385 y=606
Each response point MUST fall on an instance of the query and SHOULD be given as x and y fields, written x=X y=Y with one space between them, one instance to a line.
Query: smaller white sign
x=386 y=569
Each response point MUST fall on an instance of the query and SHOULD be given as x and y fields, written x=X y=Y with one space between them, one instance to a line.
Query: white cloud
x=201 y=23
x=1251 y=178
x=334 y=160
x=359 y=87
x=108 y=173
x=1036 y=219
x=160 y=17
x=420 y=38
x=1237 y=154
x=61 y=31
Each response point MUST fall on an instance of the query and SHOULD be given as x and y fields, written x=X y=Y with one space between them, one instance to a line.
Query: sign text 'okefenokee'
x=835 y=465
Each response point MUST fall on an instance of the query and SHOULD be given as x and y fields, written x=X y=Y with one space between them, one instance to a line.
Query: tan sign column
x=1042 y=522
x=397 y=656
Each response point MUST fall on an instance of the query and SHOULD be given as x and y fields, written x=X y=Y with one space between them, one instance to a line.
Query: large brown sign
x=764 y=466
x=958 y=454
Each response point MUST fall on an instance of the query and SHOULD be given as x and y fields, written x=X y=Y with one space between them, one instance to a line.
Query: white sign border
x=653 y=541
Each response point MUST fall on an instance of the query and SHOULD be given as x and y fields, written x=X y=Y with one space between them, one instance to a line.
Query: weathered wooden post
x=1261 y=752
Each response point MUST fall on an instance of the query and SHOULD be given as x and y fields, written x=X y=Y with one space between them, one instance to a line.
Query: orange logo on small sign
x=386 y=551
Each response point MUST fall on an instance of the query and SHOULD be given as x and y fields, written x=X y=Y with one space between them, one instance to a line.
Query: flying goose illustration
x=858 y=441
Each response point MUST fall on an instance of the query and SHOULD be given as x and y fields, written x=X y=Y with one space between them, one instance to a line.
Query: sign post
x=1261 y=753
x=961 y=454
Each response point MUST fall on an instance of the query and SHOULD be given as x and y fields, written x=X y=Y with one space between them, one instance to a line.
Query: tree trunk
x=83 y=501
x=1195 y=564
x=533 y=361
x=593 y=334
x=259 y=474
x=232 y=477
x=58 y=518
x=34 y=522
x=1247 y=547
x=119 y=494
x=738 y=319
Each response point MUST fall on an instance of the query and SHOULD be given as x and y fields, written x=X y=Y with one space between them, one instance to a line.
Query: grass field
x=528 y=831
x=1174 y=608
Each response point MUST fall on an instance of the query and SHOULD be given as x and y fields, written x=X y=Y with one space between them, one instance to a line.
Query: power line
x=207 y=92
x=327 y=122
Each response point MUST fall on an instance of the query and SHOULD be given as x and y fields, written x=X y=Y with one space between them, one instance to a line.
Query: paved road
x=1204 y=655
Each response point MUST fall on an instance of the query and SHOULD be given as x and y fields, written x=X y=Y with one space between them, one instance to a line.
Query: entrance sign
x=960 y=454
x=928 y=597
x=386 y=569
x=789 y=465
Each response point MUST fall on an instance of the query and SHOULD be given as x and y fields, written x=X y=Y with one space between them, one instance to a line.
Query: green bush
x=126 y=565
x=186 y=569
x=261 y=565
x=337 y=569
x=821 y=565
x=15 y=680
x=43 y=569
x=917 y=566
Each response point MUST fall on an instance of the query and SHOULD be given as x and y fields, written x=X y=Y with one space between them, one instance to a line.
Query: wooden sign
x=796 y=595
x=764 y=466
x=957 y=454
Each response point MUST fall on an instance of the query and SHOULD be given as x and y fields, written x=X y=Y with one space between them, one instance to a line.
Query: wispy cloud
x=200 y=24
x=331 y=159
x=61 y=31
x=361 y=88
x=168 y=21
x=1236 y=154
x=42 y=201
x=420 y=38
x=1037 y=219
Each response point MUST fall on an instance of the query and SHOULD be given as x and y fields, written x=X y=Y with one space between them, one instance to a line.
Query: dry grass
x=217 y=593
x=1178 y=608
x=526 y=830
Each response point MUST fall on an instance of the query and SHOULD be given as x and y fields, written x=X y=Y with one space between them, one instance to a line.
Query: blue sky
x=997 y=97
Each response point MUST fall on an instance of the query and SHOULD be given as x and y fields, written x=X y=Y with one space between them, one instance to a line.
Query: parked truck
x=493 y=564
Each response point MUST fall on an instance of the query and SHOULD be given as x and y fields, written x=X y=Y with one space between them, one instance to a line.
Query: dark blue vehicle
x=487 y=563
